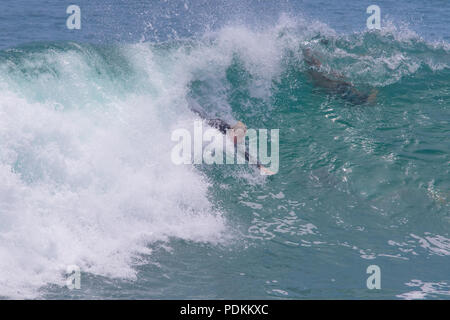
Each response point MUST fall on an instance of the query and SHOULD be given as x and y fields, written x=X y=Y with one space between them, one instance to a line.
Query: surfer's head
x=237 y=132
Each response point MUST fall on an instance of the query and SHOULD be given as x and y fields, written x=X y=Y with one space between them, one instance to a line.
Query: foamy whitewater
x=85 y=163
x=87 y=178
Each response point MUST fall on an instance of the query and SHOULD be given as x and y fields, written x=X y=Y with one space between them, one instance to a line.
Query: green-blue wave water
x=87 y=178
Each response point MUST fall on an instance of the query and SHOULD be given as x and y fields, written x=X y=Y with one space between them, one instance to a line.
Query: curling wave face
x=85 y=169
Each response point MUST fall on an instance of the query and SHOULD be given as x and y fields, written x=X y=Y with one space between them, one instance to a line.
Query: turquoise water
x=85 y=151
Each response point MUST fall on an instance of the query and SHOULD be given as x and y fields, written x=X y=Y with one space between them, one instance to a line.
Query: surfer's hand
x=265 y=171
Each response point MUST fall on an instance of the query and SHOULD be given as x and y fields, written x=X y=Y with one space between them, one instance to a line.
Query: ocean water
x=86 y=176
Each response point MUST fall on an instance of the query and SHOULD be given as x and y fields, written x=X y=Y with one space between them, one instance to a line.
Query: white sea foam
x=92 y=185
x=426 y=290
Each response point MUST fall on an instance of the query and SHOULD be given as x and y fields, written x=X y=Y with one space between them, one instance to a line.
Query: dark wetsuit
x=220 y=125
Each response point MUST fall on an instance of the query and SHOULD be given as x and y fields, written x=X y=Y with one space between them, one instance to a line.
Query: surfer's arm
x=219 y=124
x=223 y=127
